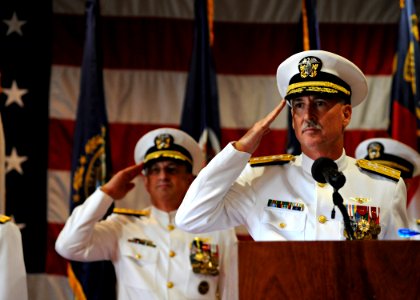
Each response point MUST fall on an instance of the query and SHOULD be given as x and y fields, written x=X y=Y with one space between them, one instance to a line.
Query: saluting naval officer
x=153 y=258
x=276 y=198
x=13 y=284
x=397 y=155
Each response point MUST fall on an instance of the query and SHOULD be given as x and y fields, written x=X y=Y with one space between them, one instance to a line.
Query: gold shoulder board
x=376 y=168
x=279 y=159
x=131 y=212
x=4 y=219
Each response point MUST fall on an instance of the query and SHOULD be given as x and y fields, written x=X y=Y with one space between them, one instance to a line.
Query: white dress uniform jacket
x=150 y=255
x=13 y=284
x=218 y=199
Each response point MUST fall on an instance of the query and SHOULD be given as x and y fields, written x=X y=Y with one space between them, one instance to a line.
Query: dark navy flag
x=200 y=115
x=309 y=26
x=405 y=101
x=309 y=32
x=91 y=161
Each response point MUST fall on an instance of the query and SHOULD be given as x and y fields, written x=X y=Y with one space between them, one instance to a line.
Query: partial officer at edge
x=13 y=285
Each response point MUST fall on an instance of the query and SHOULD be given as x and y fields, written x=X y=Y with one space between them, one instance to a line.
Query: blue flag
x=309 y=32
x=405 y=101
x=91 y=160
x=200 y=115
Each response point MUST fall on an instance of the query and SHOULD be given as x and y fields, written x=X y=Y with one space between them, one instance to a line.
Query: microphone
x=326 y=170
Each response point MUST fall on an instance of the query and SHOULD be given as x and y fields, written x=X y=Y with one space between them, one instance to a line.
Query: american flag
x=147 y=48
x=25 y=64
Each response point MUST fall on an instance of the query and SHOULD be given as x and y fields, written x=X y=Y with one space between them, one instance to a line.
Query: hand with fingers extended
x=121 y=183
x=251 y=140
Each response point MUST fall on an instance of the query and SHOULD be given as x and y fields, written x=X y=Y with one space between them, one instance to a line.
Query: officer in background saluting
x=397 y=155
x=276 y=197
x=154 y=259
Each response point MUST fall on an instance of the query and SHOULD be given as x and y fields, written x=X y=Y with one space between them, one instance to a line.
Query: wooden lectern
x=329 y=270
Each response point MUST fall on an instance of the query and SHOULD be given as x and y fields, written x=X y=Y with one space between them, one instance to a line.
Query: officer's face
x=167 y=182
x=319 y=123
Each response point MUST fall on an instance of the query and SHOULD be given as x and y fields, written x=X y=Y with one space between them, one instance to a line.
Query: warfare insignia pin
x=309 y=66
x=164 y=141
x=360 y=200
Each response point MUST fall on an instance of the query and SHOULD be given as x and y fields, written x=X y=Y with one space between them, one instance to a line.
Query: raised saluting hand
x=252 y=139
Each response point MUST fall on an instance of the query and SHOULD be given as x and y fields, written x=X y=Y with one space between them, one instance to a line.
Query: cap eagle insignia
x=164 y=141
x=309 y=66
x=375 y=150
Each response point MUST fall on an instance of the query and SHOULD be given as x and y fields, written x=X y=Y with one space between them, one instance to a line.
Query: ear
x=347 y=111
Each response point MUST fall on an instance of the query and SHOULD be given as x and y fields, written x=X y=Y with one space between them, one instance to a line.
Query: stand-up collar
x=308 y=162
x=162 y=216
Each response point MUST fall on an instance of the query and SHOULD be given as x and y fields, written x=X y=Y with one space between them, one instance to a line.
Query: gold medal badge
x=365 y=222
x=204 y=257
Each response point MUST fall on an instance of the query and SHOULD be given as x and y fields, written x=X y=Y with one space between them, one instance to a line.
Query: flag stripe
x=54 y=264
x=404 y=125
x=142 y=97
x=248 y=11
x=276 y=41
x=128 y=135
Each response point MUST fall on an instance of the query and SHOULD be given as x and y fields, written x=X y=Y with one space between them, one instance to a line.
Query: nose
x=163 y=173
x=308 y=111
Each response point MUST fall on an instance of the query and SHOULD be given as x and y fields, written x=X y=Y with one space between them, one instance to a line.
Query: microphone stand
x=338 y=201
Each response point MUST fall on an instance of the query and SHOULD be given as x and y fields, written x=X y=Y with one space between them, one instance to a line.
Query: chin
x=310 y=142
